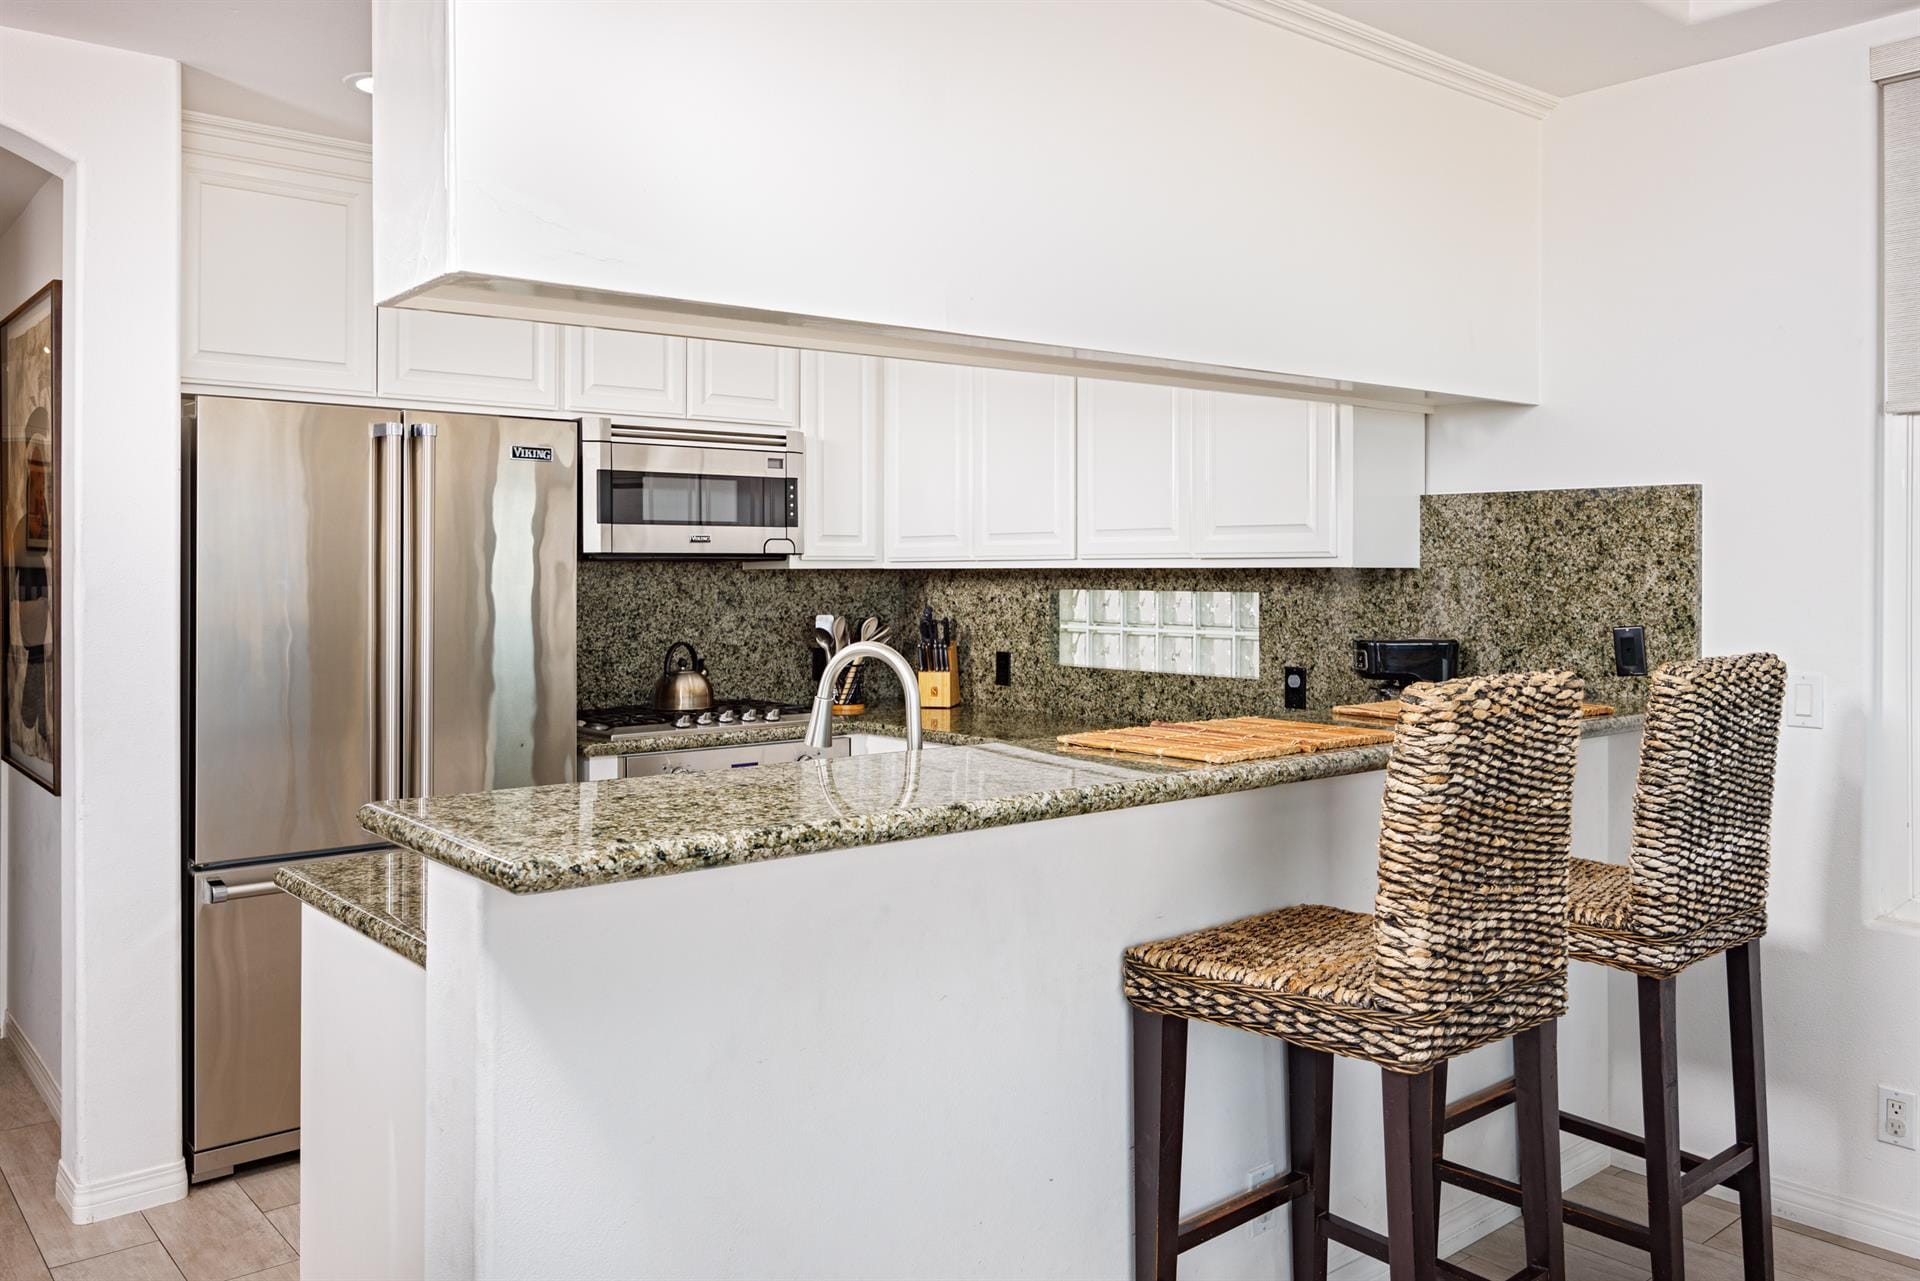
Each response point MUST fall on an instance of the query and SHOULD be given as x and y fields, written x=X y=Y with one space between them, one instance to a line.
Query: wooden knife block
x=939 y=689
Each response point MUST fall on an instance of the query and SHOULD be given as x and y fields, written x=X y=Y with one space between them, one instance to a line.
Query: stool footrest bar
x=1372 y=1244
x=1617 y=1139
x=1575 y=1215
x=1244 y=1208
x=1478 y=1104
x=1715 y=1170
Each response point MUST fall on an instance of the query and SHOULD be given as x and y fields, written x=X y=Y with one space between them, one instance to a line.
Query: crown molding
x=1342 y=32
x=209 y=135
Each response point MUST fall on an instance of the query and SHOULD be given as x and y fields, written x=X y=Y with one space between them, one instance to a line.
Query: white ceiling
x=280 y=62
x=1569 y=46
x=277 y=62
x=19 y=179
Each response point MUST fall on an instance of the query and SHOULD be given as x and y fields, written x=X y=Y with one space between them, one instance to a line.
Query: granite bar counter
x=997 y=769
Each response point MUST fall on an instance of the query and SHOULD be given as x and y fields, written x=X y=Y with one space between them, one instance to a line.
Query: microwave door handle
x=388 y=584
x=425 y=438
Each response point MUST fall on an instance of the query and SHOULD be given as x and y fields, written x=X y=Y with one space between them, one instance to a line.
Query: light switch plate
x=1806 y=700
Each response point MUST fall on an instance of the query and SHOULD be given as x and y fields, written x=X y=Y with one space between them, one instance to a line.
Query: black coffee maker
x=1396 y=664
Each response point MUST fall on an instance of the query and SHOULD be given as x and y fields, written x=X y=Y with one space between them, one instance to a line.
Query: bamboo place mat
x=1224 y=742
x=1387 y=712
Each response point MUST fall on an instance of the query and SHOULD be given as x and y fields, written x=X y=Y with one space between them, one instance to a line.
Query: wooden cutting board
x=1223 y=742
x=1388 y=712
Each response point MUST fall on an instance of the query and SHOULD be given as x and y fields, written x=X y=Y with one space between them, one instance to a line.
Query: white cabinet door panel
x=743 y=382
x=277 y=277
x=481 y=360
x=1023 y=466
x=840 y=480
x=1133 y=446
x=1264 y=476
x=926 y=412
x=613 y=371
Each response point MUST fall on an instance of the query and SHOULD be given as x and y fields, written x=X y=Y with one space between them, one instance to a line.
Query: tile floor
x=1713 y=1244
x=246 y=1226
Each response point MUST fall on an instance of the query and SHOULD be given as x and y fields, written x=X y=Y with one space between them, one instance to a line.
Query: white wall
x=32 y=253
x=1710 y=315
x=1168 y=179
x=108 y=121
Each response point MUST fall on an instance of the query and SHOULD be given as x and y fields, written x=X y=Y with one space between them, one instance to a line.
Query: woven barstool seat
x=1465 y=947
x=1602 y=926
x=1305 y=974
x=1694 y=886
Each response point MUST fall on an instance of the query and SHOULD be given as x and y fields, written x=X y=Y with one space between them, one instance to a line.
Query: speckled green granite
x=529 y=840
x=750 y=623
x=383 y=895
x=1522 y=580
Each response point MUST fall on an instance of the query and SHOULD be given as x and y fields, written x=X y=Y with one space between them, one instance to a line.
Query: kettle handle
x=666 y=664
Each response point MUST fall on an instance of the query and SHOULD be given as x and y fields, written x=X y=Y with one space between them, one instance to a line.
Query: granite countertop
x=1001 y=769
x=381 y=894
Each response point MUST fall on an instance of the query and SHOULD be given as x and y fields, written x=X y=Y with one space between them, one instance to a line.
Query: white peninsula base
x=901 y=1060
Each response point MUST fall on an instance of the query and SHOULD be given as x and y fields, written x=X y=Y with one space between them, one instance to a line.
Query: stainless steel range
x=612 y=723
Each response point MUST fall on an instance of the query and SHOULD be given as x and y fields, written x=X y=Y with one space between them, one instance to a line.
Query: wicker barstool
x=1694 y=884
x=1466 y=947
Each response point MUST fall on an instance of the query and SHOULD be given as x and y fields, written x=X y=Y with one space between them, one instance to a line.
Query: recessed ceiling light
x=361 y=80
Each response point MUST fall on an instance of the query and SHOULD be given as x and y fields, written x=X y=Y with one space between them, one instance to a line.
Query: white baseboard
x=1467 y=1221
x=1882 y=1226
x=123 y=1194
x=44 y=1082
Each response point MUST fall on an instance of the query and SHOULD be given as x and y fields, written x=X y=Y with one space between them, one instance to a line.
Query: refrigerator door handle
x=389 y=441
x=420 y=534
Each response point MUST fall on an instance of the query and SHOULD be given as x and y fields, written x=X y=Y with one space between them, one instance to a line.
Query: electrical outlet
x=1265 y=1174
x=1898 y=1113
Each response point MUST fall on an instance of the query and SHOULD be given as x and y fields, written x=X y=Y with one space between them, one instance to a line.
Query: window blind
x=1896 y=67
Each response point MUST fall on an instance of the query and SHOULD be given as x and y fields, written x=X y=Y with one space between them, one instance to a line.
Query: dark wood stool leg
x=1660 y=1101
x=1439 y=1129
x=1159 y=1116
x=1413 y=1221
x=1536 y=1077
x=1750 y=1110
x=1310 y=1152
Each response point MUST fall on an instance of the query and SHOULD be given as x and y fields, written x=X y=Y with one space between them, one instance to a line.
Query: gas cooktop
x=631 y=722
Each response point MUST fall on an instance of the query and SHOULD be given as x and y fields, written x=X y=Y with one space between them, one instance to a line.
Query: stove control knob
x=726 y=717
x=705 y=718
x=773 y=714
x=749 y=716
x=683 y=722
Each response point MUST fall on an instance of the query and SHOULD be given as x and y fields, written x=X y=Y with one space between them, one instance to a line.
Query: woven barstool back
x=1703 y=810
x=1475 y=834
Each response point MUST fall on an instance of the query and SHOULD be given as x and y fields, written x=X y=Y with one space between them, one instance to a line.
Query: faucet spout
x=820 y=719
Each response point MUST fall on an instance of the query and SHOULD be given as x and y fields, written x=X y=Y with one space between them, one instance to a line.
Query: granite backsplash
x=1521 y=580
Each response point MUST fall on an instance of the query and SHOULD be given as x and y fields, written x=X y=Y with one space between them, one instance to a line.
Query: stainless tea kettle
x=683 y=688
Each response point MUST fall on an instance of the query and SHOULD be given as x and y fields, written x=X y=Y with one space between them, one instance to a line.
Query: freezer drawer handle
x=220 y=891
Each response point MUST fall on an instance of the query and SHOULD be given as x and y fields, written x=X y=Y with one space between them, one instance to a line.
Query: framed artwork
x=30 y=538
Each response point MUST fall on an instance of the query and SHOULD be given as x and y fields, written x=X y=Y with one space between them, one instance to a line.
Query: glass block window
x=1192 y=633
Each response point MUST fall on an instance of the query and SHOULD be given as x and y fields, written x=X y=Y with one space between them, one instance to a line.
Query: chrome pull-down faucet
x=820 y=719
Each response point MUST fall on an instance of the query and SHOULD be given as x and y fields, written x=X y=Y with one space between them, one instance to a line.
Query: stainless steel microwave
x=675 y=493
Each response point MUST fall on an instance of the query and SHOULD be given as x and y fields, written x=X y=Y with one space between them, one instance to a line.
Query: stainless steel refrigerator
x=377 y=603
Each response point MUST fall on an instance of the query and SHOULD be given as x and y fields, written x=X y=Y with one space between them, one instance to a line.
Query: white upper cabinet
x=926 y=444
x=276 y=284
x=614 y=371
x=1135 y=455
x=1023 y=482
x=743 y=383
x=1263 y=476
x=483 y=360
x=840 y=480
